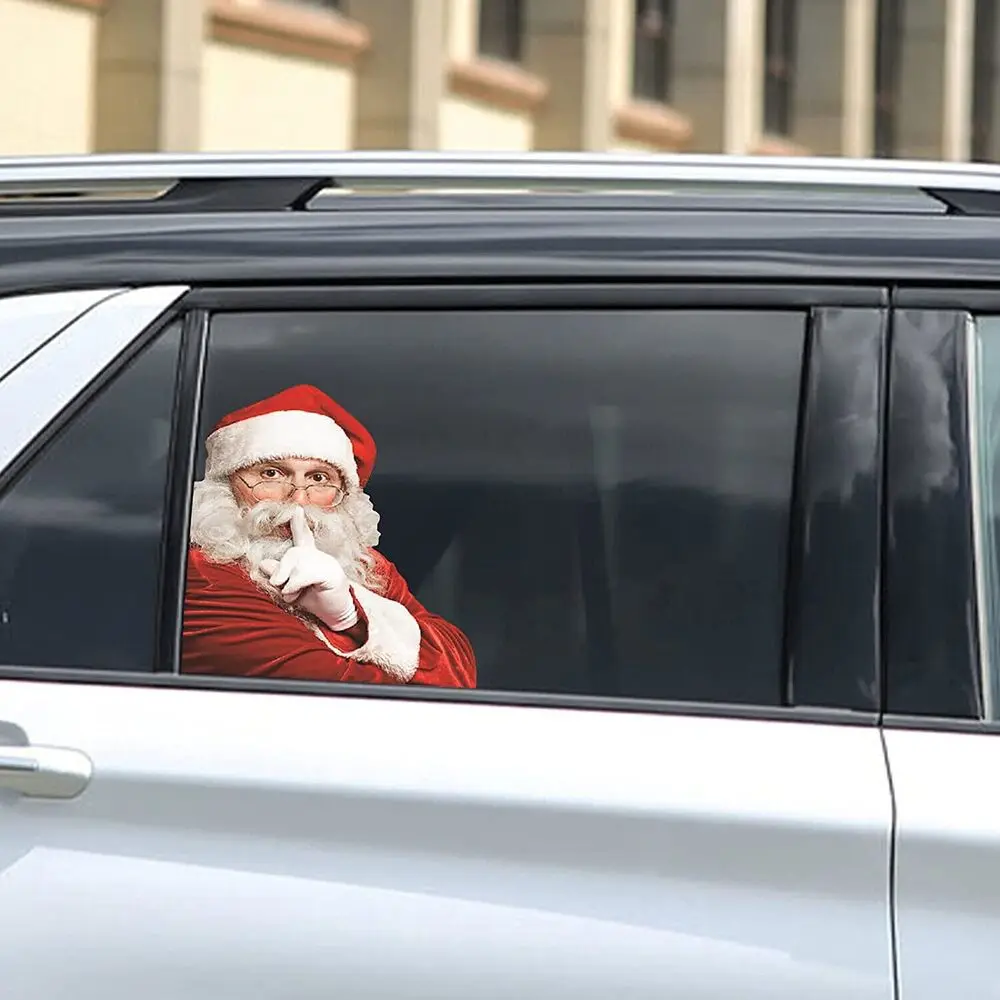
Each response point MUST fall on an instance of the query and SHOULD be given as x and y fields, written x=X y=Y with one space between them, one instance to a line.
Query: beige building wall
x=119 y=75
x=399 y=84
x=818 y=98
x=147 y=75
x=278 y=77
x=254 y=100
x=640 y=126
x=486 y=104
x=47 y=54
x=700 y=77
x=920 y=127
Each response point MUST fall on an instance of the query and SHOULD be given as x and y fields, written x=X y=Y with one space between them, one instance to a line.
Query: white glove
x=312 y=579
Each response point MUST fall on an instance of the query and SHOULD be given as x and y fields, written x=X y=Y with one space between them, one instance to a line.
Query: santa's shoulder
x=201 y=569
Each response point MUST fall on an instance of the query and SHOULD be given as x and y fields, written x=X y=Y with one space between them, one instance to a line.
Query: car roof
x=209 y=219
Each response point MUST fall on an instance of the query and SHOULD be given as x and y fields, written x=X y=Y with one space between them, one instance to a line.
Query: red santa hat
x=300 y=422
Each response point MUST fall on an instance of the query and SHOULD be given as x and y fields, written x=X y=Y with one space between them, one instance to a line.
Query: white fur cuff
x=393 y=636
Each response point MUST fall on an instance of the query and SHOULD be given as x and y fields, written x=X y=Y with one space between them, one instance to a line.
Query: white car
x=670 y=669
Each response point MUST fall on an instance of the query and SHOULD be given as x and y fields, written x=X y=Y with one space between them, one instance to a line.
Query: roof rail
x=255 y=181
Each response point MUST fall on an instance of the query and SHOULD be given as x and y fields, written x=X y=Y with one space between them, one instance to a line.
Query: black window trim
x=837 y=528
x=183 y=449
x=198 y=303
x=960 y=301
x=931 y=633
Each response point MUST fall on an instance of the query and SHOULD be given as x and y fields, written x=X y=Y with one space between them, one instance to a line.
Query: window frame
x=958 y=305
x=815 y=302
x=120 y=314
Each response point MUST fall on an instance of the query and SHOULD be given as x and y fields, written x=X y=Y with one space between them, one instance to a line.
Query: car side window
x=558 y=501
x=81 y=527
x=985 y=421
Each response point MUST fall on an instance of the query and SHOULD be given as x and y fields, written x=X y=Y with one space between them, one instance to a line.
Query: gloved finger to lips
x=302 y=535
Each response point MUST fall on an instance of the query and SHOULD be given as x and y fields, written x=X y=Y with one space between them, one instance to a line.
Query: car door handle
x=44 y=772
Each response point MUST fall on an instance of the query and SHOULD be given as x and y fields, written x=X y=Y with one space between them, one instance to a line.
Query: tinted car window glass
x=986 y=472
x=930 y=607
x=80 y=528
x=599 y=501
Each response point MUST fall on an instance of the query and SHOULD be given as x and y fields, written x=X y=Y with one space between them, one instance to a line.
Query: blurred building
x=914 y=78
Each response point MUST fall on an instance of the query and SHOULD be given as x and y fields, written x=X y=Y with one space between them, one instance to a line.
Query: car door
x=942 y=640
x=655 y=518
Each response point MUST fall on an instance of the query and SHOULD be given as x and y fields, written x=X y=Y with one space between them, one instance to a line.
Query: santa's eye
x=320 y=478
x=270 y=474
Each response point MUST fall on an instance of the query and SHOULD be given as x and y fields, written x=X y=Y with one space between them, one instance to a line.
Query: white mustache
x=264 y=517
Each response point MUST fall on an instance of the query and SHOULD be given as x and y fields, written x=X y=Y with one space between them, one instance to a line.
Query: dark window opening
x=652 y=50
x=779 y=66
x=501 y=29
x=888 y=63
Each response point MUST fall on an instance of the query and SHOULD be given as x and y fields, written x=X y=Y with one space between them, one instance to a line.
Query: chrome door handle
x=44 y=772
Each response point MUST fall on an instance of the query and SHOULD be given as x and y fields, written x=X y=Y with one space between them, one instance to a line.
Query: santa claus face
x=303 y=481
x=246 y=518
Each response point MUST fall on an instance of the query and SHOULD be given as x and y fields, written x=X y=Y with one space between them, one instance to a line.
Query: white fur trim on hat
x=282 y=434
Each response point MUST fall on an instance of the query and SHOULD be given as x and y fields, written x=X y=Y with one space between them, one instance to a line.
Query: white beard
x=226 y=532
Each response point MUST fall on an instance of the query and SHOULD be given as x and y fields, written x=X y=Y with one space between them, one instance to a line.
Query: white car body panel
x=274 y=845
x=947 y=885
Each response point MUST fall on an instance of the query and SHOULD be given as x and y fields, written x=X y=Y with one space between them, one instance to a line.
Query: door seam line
x=893 y=836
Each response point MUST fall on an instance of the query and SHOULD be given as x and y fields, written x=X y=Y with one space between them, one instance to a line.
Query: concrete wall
x=485 y=104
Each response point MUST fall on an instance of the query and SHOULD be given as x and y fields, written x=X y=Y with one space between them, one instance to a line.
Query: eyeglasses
x=318 y=495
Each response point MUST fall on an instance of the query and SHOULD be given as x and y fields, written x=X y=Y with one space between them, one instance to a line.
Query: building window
x=984 y=81
x=652 y=48
x=779 y=66
x=888 y=49
x=501 y=29
x=337 y=6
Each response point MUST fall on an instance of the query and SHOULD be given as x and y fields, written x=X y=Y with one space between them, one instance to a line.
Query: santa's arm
x=232 y=628
x=445 y=657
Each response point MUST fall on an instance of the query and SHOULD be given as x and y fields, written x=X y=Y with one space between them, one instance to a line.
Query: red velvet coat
x=231 y=627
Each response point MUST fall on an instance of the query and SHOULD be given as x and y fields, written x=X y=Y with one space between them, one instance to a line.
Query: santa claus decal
x=283 y=579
